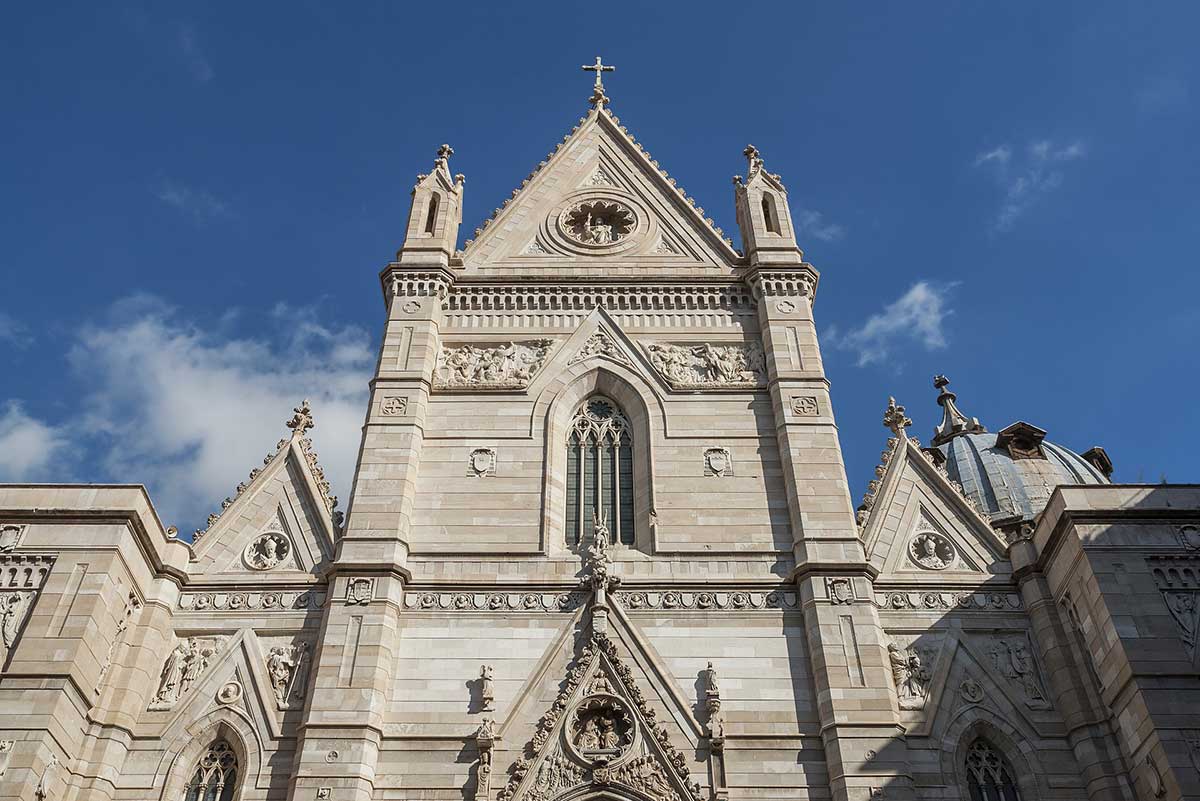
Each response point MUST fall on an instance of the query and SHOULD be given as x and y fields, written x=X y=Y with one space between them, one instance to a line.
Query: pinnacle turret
x=953 y=422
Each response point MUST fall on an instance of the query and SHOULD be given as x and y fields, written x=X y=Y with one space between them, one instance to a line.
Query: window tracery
x=989 y=777
x=215 y=777
x=599 y=473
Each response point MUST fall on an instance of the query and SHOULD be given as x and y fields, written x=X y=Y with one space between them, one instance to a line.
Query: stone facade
x=485 y=624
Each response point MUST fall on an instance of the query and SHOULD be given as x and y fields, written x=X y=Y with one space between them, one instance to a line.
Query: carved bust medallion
x=597 y=222
x=601 y=729
x=931 y=551
x=266 y=551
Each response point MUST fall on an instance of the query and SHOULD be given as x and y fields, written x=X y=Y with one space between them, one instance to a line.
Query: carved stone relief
x=14 y=609
x=467 y=601
x=718 y=462
x=731 y=600
x=360 y=590
x=1012 y=659
x=393 y=406
x=665 y=248
x=805 y=406
x=482 y=462
x=10 y=537
x=949 y=599
x=6 y=749
x=1189 y=537
x=600 y=344
x=238 y=601
x=1186 y=612
x=971 y=690
x=487 y=689
x=183 y=667
x=132 y=606
x=931 y=551
x=709 y=366
x=597 y=222
x=601 y=729
x=509 y=366
x=287 y=668
x=230 y=693
x=910 y=676
x=840 y=589
x=267 y=550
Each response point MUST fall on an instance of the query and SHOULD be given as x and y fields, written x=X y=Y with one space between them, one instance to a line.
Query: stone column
x=339 y=741
x=865 y=750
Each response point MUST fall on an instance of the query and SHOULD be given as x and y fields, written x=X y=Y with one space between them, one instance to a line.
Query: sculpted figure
x=299 y=670
x=910 y=676
x=589 y=736
x=487 y=688
x=12 y=615
x=169 y=683
x=279 y=667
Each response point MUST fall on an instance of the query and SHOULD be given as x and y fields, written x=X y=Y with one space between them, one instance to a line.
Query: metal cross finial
x=598 y=97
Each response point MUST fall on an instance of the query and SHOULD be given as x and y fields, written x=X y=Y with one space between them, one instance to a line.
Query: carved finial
x=751 y=153
x=598 y=97
x=445 y=152
x=895 y=419
x=737 y=180
x=953 y=422
x=302 y=420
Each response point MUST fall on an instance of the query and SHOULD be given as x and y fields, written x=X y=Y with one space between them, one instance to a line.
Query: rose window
x=597 y=222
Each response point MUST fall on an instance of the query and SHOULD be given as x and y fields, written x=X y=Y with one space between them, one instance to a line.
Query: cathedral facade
x=600 y=544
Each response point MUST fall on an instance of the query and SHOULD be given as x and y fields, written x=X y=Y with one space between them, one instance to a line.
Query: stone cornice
x=561 y=295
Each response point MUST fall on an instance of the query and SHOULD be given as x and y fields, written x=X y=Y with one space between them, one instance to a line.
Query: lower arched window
x=215 y=777
x=599 y=473
x=989 y=777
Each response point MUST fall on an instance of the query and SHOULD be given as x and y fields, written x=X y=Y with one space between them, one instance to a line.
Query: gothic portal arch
x=978 y=723
x=554 y=412
x=185 y=747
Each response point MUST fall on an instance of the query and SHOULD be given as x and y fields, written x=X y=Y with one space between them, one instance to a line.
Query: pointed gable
x=279 y=524
x=916 y=523
x=599 y=195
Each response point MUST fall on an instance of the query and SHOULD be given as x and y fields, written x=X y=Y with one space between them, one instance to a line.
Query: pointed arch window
x=770 y=213
x=431 y=216
x=599 y=473
x=989 y=776
x=215 y=777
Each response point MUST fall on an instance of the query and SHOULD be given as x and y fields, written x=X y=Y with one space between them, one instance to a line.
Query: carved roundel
x=266 y=551
x=601 y=729
x=597 y=222
x=931 y=551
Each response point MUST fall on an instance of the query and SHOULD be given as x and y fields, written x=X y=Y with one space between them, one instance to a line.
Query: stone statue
x=45 y=785
x=279 y=667
x=711 y=687
x=487 y=689
x=1012 y=660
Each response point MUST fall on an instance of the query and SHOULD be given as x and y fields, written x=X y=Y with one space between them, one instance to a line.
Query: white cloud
x=813 y=224
x=192 y=57
x=197 y=204
x=29 y=448
x=1025 y=178
x=189 y=409
x=917 y=315
x=13 y=331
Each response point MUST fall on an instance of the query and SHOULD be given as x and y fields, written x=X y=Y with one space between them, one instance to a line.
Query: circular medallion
x=931 y=551
x=230 y=693
x=601 y=729
x=597 y=222
x=267 y=551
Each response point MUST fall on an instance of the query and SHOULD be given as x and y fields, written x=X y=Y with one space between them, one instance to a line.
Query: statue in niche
x=602 y=728
x=287 y=667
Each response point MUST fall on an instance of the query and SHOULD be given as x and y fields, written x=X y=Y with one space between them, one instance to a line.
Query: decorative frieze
x=504 y=367
x=24 y=571
x=270 y=601
x=709 y=366
x=416 y=284
x=734 y=297
x=495 y=601
x=935 y=600
x=723 y=600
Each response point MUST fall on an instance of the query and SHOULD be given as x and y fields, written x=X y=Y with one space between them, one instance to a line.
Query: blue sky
x=196 y=200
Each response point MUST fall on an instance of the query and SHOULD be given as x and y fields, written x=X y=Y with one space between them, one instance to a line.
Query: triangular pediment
x=278 y=526
x=599 y=173
x=921 y=528
x=601 y=731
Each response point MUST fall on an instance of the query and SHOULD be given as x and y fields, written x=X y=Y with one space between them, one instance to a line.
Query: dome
x=1010 y=474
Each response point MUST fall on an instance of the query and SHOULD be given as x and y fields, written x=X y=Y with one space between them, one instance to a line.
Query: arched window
x=989 y=777
x=431 y=216
x=599 y=473
x=770 y=214
x=215 y=778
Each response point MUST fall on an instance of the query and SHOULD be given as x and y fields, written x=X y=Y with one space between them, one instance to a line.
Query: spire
x=895 y=419
x=953 y=422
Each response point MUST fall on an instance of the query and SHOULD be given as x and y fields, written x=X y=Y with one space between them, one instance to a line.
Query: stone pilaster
x=864 y=741
x=340 y=738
